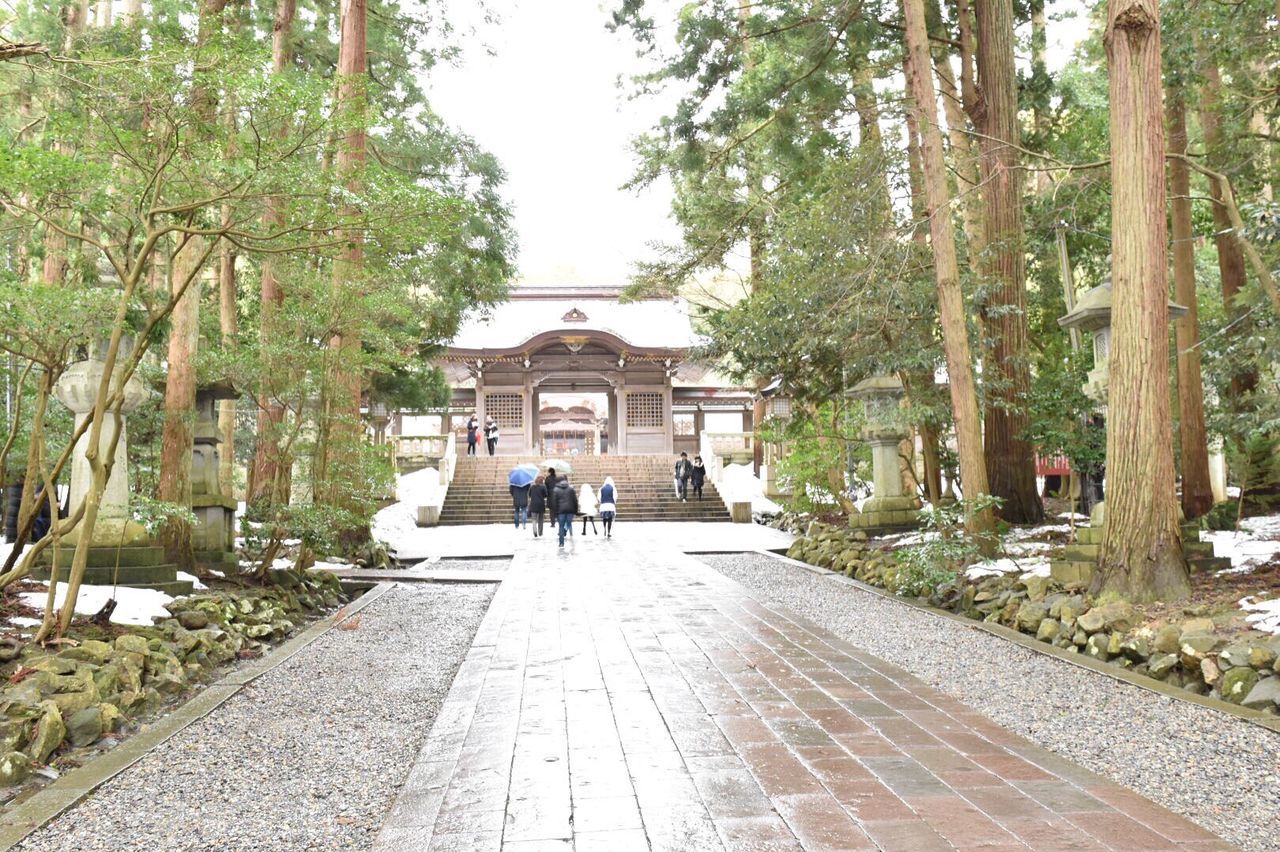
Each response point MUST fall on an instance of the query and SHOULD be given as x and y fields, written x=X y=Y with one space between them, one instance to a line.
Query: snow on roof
x=657 y=324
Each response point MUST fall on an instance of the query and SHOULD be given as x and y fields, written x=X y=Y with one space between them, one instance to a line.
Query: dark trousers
x=697 y=489
x=592 y=519
x=522 y=515
x=606 y=519
x=536 y=517
x=493 y=444
x=565 y=521
x=471 y=448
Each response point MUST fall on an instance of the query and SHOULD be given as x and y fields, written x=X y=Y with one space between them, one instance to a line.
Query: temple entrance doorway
x=573 y=422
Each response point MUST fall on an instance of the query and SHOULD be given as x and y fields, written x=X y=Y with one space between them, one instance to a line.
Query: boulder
x=1117 y=616
x=1091 y=621
x=1264 y=695
x=1261 y=656
x=1233 y=656
x=15 y=767
x=49 y=733
x=10 y=649
x=1029 y=616
x=111 y=717
x=1199 y=625
x=1096 y=647
x=1079 y=638
x=1137 y=647
x=1166 y=641
x=130 y=643
x=85 y=727
x=90 y=651
x=1237 y=683
x=1194 y=647
x=1037 y=587
x=1209 y=671
x=1161 y=664
x=1048 y=630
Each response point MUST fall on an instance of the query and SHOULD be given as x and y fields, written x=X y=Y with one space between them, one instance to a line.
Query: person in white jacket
x=587 y=507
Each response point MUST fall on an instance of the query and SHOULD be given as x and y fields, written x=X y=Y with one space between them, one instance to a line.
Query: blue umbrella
x=522 y=475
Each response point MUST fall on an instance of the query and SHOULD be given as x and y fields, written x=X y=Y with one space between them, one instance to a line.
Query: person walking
x=698 y=476
x=608 y=505
x=537 y=504
x=473 y=434
x=588 y=506
x=520 y=502
x=684 y=470
x=564 y=503
x=491 y=434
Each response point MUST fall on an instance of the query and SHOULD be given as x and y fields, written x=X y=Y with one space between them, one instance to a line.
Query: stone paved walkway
x=624 y=696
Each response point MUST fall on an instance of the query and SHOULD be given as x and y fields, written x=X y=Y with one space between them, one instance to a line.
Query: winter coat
x=564 y=499
x=519 y=495
x=684 y=469
x=587 y=501
x=608 y=499
x=537 y=499
x=491 y=430
x=473 y=430
x=699 y=474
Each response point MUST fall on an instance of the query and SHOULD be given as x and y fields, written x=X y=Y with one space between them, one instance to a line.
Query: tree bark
x=1141 y=555
x=228 y=324
x=1197 y=495
x=1231 y=263
x=1011 y=463
x=951 y=309
x=267 y=480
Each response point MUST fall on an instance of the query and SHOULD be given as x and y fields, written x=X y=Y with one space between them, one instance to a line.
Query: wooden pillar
x=526 y=401
x=668 y=418
x=621 y=394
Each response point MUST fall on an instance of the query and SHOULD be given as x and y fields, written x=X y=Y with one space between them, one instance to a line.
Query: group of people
x=689 y=474
x=475 y=432
x=552 y=492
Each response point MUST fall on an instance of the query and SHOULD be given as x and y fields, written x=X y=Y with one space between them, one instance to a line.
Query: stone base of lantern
x=884 y=515
x=1074 y=564
x=138 y=566
x=213 y=537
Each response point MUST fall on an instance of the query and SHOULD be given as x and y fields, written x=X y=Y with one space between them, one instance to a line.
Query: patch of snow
x=6 y=547
x=1257 y=541
x=322 y=565
x=133 y=606
x=399 y=521
x=23 y=621
x=1263 y=615
x=1028 y=567
x=741 y=483
x=217 y=573
x=1028 y=548
x=195 y=581
x=1023 y=533
x=1073 y=516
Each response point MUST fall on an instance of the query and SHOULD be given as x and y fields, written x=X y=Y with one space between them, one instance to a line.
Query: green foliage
x=944 y=552
x=154 y=515
x=818 y=445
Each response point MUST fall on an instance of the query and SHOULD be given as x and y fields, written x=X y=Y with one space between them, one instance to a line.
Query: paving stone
x=633 y=698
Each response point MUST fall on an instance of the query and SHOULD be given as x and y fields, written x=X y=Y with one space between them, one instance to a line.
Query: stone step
x=132 y=555
x=141 y=576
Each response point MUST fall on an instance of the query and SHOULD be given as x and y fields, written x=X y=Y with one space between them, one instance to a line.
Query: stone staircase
x=479 y=495
x=136 y=566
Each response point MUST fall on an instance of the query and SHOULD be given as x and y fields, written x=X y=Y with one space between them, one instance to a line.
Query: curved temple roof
x=645 y=325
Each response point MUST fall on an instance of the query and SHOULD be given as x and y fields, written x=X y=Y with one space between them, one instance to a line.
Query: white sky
x=547 y=104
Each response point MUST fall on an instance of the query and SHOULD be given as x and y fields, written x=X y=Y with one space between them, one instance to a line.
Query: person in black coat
x=564 y=503
x=684 y=470
x=520 y=501
x=698 y=476
x=473 y=434
x=537 y=504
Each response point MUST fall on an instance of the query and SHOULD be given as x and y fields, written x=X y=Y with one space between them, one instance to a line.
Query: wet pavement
x=622 y=695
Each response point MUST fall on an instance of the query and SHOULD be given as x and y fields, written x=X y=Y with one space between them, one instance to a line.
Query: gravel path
x=309 y=756
x=1217 y=770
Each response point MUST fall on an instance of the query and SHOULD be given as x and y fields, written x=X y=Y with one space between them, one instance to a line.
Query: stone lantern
x=120 y=552
x=213 y=537
x=889 y=509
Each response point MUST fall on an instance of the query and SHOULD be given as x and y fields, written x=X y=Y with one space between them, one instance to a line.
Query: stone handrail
x=718 y=449
x=441 y=448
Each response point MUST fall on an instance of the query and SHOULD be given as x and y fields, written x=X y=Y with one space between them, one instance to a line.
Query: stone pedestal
x=213 y=537
x=889 y=509
x=120 y=551
x=1074 y=565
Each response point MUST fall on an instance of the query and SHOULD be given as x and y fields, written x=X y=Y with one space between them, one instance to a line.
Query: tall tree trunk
x=1197 y=495
x=344 y=428
x=1141 y=555
x=228 y=324
x=267 y=479
x=184 y=339
x=1011 y=463
x=1231 y=263
x=951 y=310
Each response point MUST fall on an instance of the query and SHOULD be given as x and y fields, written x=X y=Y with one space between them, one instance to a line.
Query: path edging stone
x=73 y=787
x=1255 y=717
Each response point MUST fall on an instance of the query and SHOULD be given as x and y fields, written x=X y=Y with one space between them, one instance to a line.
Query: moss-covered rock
x=1237 y=684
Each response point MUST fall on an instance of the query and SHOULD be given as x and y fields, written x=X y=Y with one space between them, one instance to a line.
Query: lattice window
x=780 y=407
x=506 y=408
x=644 y=410
x=682 y=424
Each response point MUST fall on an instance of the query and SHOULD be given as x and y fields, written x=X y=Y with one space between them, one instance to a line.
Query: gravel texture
x=1220 y=771
x=309 y=756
